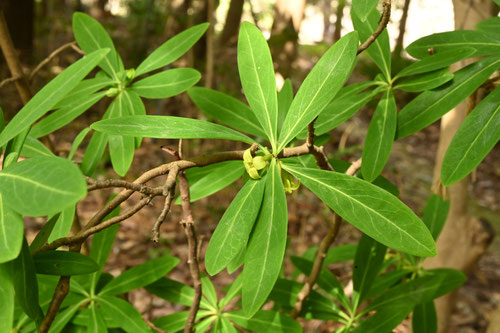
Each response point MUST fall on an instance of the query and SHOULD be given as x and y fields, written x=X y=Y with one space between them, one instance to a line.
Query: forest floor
x=409 y=168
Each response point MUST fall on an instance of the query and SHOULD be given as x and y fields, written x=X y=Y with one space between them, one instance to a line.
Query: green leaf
x=64 y=317
x=265 y=321
x=320 y=86
x=2 y=120
x=379 y=51
x=63 y=224
x=43 y=235
x=363 y=7
x=167 y=83
x=121 y=148
x=204 y=324
x=236 y=262
x=374 y=211
x=226 y=109
x=384 y=320
x=6 y=299
x=425 y=81
x=168 y=127
x=96 y=323
x=456 y=40
x=78 y=140
x=64 y=116
x=25 y=283
x=340 y=253
x=209 y=290
x=382 y=282
x=11 y=232
x=285 y=98
x=231 y=235
x=341 y=109
x=435 y=214
x=91 y=36
x=430 y=105
x=266 y=247
x=93 y=153
x=123 y=313
x=424 y=289
x=424 y=319
x=173 y=322
x=490 y=26
x=234 y=290
x=475 y=138
x=380 y=136
x=367 y=264
x=50 y=94
x=140 y=276
x=436 y=61
x=32 y=148
x=226 y=326
x=172 y=49
x=42 y=185
x=175 y=292
x=63 y=263
x=205 y=181
x=83 y=89
x=256 y=70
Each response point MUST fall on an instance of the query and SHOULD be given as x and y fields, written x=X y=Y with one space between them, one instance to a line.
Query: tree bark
x=402 y=29
x=464 y=238
x=233 y=19
x=338 y=22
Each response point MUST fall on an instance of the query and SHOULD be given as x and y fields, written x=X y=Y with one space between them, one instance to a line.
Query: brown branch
x=9 y=80
x=50 y=57
x=109 y=183
x=384 y=19
x=169 y=193
x=188 y=225
x=325 y=244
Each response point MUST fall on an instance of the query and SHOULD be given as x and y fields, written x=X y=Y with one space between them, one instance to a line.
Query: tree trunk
x=233 y=19
x=288 y=17
x=338 y=22
x=19 y=15
x=402 y=29
x=464 y=239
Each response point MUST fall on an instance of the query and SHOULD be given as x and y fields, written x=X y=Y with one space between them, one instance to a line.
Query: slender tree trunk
x=233 y=19
x=327 y=26
x=19 y=15
x=464 y=239
x=402 y=29
x=338 y=22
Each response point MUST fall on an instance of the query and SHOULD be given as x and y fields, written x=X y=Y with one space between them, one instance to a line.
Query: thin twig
x=50 y=57
x=386 y=14
x=9 y=80
x=108 y=183
x=169 y=193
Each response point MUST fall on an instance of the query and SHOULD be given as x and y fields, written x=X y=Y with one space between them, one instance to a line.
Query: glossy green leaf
x=425 y=81
x=63 y=263
x=226 y=109
x=91 y=36
x=363 y=7
x=78 y=141
x=285 y=98
x=490 y=26
x=380 y=136
x=43 y=235
x=210 y=179
x=64 y=317
x=475 y=138
x=32 y=148
x=424 y=319
x=50 y=94
x=430 y=105
x=265 y=321
x=64 y=116
x=424 y=289
x=172 y=49
x=367 y=264
x=340 y=253
x=167 y=83
x=121 y=148
x=256 y=69
x=168 y=127
x=435 y=214
x=455 y=40
x=96 y=323
x=436 y=61
x=2 y=120
x=384 y=320
x=173 y=322
x=42 y=185
x=93 y=153
x=387 y=280
x=266 y=247
x=175 y=292
x=374 y=211
x=123 y=312
x=231 y=235
x=63 y=224
x=25 y=283
x=11 y=232
x=14 y=148
x=203 y=325
x=379 y=51
x=140 y=276
x=209 y=290
x=226 y=326
x=6 y=299
x=233 y=291
x=85 y=88
x=135 y=107
x=320 y=86
x=342 y=109
x=237 y=261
